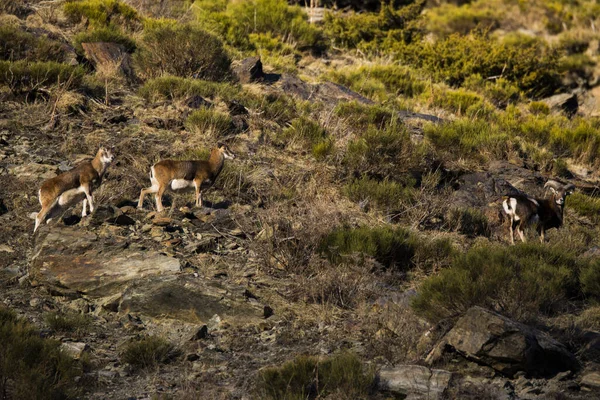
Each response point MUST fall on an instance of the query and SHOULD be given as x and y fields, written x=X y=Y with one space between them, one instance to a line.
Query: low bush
x=380 y=154
x=371 y=32
x=465 y=137
x=177 y=88
x=106 y=34
x=306 y=377
x=392 y=247
x=457 y=101
x=102 y=13
x=23 y=76
x=17 y=44
x=450 y=18
x=32 y=367
x=209 y=122
x=585 y=205
x=573 y=44
x=182 y=50
x=387 y=195
x=303 y=132
x=529 y=64
x=379 y=82
x=278 y=108
x=323 y=149
x=590 y=280
x=236 y=21
x=521 y=281
x=148 y=352
x=539 y=108
x=68 y=323
x=468 y=221
x=361 y=115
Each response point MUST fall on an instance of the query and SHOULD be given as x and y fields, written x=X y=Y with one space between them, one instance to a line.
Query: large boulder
x=249 y=70
x=415 y=382
x=505 y=345
x=186 y=298
x=73 y=260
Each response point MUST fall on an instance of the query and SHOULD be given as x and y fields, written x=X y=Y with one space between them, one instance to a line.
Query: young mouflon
x=71 y=186
x=524 y=211
x=183 y=175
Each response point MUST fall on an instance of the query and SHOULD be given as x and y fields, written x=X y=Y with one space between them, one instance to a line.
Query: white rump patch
x=510 y=210
x=179 y=184
x=68 y=196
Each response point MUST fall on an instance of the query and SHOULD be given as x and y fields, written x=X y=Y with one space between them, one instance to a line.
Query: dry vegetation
x=349 y=202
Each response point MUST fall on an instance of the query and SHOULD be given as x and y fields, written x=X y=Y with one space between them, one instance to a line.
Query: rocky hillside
x=355 y=247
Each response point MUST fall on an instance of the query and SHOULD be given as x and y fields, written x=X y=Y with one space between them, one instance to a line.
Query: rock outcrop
x=416 y=382
x=73 y=260
x=505 y=345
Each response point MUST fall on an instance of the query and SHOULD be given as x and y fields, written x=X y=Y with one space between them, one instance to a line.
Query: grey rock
x=563 y=103
x=69 y=259
x=591 y=380
x=249 y=70
x=415 y=381
x=505 y=345
x=73 y=349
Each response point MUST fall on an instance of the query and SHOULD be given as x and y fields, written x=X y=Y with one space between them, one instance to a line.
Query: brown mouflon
x=182 y=175
x=524 y=211
x=68 y=187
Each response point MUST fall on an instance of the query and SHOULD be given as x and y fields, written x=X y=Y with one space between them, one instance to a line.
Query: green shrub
x=469 y=221
x=571 y=44
x=236 y=21
x=306 y=377
x=387 y=195
x=23 y=76
x=590 y=279
x=182 y=50
x=370 y=32
x=502 y=93
x=539 y=108
x=529 y=64
x=387 y=153
x=522 y=280
x=361 y=115
x=68 y=323
x=102 y=13
x=32 y=367
x=17 y=44
x=585 y=205
x=106 y=34
x=323 y=149
x=449 y=18
x=457 y=101
x=207 y=121
x=303 y=131
x=177 y=88
x=392 y=247
x=379 y=81
x=278 y=108
x=465 y=137
x=148 y=352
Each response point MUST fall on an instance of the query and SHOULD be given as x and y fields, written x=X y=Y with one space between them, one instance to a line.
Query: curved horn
x=570 y=187
x=553 y=184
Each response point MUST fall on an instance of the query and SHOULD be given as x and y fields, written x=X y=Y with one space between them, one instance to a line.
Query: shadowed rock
x=505 y=345
x=415 y=381
x=249 y=70
x=72 y=260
